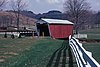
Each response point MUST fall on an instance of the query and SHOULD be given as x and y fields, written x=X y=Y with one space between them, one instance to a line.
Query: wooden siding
x=61 y=31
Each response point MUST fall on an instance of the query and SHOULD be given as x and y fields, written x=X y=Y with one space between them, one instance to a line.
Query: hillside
x=9 y=19
x=53 y=14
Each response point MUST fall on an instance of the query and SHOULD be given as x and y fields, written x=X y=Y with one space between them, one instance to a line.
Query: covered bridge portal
x=55 y=28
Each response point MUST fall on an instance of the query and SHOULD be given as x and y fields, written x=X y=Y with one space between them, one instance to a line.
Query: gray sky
x=95 y=4
x=41 y=6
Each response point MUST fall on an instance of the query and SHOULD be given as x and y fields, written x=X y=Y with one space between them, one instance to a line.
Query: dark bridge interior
x=43 y=29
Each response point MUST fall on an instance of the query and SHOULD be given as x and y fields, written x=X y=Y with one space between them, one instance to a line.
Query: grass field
x=91 y=33
x=30 y=52
x=11 y=48
x=94 y=48
x=27 y=52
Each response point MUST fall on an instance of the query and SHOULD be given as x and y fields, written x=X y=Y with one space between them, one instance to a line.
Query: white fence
x=83 y=57
x=15 y=33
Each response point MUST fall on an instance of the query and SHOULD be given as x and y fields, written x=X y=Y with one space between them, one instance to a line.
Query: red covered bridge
x=55 y=28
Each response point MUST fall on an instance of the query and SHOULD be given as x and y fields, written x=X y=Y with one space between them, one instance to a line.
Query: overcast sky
x=41 y=6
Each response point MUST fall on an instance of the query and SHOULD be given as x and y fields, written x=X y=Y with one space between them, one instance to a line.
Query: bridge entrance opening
x=43 y=29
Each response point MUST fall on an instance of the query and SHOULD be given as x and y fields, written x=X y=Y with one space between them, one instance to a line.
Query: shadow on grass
x=59 y=52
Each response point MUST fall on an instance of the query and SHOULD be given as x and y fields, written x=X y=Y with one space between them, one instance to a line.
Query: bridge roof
x=57 y=21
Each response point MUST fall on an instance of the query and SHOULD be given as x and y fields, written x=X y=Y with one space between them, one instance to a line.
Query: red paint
x=61 y=30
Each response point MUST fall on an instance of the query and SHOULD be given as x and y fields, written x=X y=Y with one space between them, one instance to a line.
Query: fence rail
x=83 y=58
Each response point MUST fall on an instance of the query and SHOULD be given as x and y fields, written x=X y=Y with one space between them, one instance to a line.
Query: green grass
x=16 y=45
x=93 y=36
x=12 y=47
x=91 y=33
x=27 y=52
x=94 y=48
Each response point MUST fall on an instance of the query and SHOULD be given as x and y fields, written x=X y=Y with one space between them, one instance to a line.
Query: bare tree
x=18 y=6
x=76 y=9
x=2 y=3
